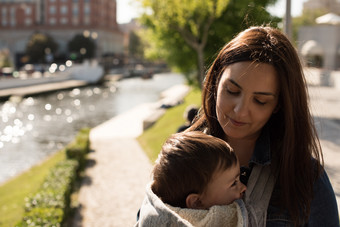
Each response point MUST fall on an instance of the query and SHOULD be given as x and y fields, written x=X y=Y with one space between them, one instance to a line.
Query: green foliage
x=49 y=206
x=169 y=46
x=83 y=47
x=136 y=46
x=154 y=137
x=4 y=58
x=239 y=15
x=180 y=30
x=188 y=21
x=43 y=217
x=38 y=46
x=79 y=148
x=13 y=192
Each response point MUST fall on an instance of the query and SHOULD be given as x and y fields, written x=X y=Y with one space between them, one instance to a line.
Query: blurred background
x=70 y=64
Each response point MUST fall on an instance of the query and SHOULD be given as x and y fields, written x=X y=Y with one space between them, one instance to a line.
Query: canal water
x=35 y=127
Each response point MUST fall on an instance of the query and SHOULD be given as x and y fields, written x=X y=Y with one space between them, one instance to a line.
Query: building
x=332 y=6
x=319 y=44
x=62 y=19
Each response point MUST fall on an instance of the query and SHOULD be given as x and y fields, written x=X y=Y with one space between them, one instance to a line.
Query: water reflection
x=34 y=127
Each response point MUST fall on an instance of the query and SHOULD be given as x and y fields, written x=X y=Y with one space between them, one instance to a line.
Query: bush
x=43 y=217
x=79 y=148
x=50 y=206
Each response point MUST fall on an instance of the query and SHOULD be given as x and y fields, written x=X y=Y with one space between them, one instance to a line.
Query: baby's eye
x=234 y=184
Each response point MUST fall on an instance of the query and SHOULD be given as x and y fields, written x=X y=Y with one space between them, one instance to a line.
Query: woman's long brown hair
x=293 y=135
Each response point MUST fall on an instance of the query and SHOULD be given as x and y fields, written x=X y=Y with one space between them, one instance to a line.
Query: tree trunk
x=200 y=64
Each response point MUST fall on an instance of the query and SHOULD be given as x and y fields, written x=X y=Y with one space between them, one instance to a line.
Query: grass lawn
x=154 y=137
x=13 y=192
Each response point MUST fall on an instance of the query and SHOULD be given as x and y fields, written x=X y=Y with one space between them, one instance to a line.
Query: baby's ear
x=193 y=201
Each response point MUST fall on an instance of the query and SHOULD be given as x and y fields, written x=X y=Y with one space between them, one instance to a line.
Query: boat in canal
x=89 y=72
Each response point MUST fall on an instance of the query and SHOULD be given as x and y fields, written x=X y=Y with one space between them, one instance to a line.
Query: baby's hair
x=186 y=165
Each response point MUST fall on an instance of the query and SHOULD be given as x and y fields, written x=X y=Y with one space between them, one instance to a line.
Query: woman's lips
x=236 y=123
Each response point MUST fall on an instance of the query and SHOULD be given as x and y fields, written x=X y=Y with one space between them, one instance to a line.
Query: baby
x=195 y=183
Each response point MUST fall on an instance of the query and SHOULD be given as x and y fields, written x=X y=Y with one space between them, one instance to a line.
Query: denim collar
x=261 y=154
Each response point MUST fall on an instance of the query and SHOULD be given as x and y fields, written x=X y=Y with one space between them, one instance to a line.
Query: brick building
x=62 y=19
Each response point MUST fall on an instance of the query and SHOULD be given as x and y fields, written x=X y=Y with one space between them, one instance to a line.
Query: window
x=4 y=16
x=4 y=12
x=75 y=10
x=87 y=9
x=13 y=19
x=63 y=10
x=28 y=21
x=63 y=20
x=53 y=21
x=28 y=10
x=53 y=10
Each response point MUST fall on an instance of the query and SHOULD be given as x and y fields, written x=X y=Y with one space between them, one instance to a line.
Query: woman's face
x=247 y=95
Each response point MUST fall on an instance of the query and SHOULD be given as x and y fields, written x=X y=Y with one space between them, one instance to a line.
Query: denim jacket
x=324 y=211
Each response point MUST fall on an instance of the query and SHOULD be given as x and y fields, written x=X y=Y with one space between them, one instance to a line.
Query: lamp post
x=288 y=20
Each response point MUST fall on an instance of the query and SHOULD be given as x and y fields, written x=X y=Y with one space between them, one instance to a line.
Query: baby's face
x=224 y=188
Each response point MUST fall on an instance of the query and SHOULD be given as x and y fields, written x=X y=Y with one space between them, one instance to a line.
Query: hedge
x=78 y=149
x=50 y=206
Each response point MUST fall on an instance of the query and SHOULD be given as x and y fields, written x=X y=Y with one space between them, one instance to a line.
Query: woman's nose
x=241 y=107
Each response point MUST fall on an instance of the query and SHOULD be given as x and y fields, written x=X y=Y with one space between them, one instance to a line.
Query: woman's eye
x=260 y=102
x=235 y=182
x=232 y=92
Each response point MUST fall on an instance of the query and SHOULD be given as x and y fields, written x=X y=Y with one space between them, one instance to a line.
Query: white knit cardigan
x=154 y=212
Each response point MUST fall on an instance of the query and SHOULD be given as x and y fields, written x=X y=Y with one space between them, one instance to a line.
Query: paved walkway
x=114 y=186
x=115 y=181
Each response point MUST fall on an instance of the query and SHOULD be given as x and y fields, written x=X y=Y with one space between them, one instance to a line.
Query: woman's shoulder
x=324 y=208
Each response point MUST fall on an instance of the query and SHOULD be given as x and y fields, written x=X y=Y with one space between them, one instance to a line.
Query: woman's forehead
x=251 y=74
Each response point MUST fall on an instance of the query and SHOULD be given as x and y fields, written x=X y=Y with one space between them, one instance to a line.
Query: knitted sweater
x=156 y=213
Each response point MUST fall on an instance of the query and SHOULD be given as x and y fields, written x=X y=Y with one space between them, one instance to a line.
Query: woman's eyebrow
x=234 y=82
x=265 y=93
x=256 y=93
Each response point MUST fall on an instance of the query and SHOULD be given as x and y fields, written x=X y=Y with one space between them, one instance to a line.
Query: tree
x=192 y=29
x=239 y=15
x=83 y=47
x=190 y=19
x=136 y=47
x=5 y=58
x=39 y=46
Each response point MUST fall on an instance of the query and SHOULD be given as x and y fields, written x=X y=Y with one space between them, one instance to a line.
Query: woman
x=255 y=98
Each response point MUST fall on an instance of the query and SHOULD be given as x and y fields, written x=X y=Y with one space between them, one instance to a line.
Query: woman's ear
x=193 y=201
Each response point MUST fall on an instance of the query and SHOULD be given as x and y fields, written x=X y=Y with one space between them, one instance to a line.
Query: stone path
x=114 y=185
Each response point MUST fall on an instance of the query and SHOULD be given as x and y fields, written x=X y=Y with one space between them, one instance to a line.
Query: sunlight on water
x=34 y=127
